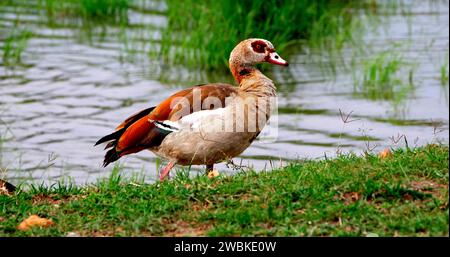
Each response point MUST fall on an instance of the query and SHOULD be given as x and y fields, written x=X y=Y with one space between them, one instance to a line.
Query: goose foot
x=209 y=168
x=165 y=172
x=210 y=172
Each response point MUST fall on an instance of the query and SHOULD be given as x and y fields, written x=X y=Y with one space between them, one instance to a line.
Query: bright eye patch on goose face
x=259 y=46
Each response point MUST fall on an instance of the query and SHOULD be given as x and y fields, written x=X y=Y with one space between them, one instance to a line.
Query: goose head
x=255 y=50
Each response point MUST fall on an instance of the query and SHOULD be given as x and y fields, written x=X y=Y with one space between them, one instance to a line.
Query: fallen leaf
x=213 y=174
x=33 y=221
x=408 y=197
x=6 y=188
x=385 y=153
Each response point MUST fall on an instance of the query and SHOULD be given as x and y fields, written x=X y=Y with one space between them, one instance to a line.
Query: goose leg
x=165 y=171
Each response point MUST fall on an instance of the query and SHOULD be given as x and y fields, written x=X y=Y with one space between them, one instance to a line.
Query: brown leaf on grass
x=183 y=229
x=6 y=188
x=44 y=199
x=348 y=228
x=385 y=153
x=437 y=189
x=201 y=206
x=425 y=185
x=349 y=197
x=408 y=197
x=34 y=221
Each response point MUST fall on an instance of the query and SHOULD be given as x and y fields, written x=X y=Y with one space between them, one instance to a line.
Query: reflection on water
x=74 y=87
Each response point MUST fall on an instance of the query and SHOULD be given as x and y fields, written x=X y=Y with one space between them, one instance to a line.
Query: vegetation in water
x=400 y=194
x=383 y=78
x=13 y=46
x=63 y=13
x=444 y=73
x=202 y=33
x=97 y=10
x=2 y=169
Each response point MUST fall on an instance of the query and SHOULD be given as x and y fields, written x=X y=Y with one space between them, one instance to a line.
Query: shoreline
x=404 y=193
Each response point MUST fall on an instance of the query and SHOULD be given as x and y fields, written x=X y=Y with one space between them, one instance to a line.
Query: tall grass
x=202 y=33
x=382 y=78
x=1 y=155
x=13 y=46
x=2 y=141
x=444 y=73
x=87 y=10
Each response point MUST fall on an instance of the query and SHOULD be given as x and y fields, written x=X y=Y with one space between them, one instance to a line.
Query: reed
x=382 y=78
x=88 y=10
x=202 y=33
x=444 y=73
x=13 y=46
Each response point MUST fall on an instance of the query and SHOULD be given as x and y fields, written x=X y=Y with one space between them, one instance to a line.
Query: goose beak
x=274 y=58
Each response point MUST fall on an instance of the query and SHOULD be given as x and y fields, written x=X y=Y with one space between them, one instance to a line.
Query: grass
x=383 y=78
x=105 y=11
x=91 y=13
x=444 y=73
x=405 y=194
x=2 y=169
x=13 y=46
x=203 y=33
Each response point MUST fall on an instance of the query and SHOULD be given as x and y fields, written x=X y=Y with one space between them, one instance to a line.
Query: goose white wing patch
x=194 y=120
x=191 y=121
x=166 y=125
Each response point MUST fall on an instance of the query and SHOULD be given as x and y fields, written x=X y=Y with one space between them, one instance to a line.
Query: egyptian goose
x=204 y=124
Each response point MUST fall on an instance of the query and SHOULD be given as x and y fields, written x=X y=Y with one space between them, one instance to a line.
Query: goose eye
x=258 y=46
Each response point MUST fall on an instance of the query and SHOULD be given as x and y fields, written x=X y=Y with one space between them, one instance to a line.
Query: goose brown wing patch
x=206 y=97
x=123 y=126
x=133 y=118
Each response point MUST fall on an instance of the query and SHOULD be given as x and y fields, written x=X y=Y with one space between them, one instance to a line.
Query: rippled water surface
x=75 y=85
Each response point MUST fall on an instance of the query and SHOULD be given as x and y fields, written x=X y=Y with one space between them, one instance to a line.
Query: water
x=76 y=85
